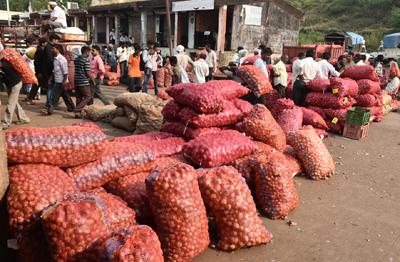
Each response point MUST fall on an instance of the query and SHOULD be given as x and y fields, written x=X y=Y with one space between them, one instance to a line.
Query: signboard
x=252 y=14
x=192 y=5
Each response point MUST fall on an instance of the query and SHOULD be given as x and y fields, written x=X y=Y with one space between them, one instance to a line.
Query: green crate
x=358 y=116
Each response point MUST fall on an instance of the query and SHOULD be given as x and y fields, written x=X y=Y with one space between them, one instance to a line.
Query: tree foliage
x=37 y=5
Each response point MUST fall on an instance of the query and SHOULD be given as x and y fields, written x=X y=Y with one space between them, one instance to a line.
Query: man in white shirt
x=122 y=56
x=327 y=69
x=297 y=67
x=147 y=58
x=310 y=71
x=200 y=69
x=358 y=59
x=57 y=17
x=211 y=61
x=59 y=79
x=112 y=36
x=260 y=62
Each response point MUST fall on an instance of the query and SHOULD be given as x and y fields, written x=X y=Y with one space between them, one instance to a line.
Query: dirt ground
x=354 y=216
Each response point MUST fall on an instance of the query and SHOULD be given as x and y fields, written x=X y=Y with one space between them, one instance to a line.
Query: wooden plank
x=221 y=28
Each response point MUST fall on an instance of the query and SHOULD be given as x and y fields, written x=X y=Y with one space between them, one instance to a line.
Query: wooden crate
x=355 y=131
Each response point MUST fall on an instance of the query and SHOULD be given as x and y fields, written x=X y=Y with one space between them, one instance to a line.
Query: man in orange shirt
x=135 y=79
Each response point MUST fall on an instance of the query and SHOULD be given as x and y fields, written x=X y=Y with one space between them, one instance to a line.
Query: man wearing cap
x=57 y=17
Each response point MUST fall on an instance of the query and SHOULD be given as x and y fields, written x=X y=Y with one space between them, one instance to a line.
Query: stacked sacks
x=370 y=96
x=198 y=109
x=332 y=101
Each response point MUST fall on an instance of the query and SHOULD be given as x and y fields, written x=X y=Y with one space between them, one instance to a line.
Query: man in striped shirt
x=82 y=80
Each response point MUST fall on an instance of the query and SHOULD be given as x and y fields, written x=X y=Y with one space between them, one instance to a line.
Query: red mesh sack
x=358 y=72
x=221 y=148
x=366 y=86
x=321 y=132
x=132 y=189
x=336 y=115
x=318 y=110
x=136 y=243
x=163 y=95
x=244 y=166
x=314 y=119
x=291 y=119
x=228 y=89
x=280 y=105
x=228 y=116
x=59 y=146
x=275 y=191
x=336 y=128
x=312 y=152
x=112 y=76
x=144 y=138
x=20 y=65
x=32 y=189
x=74 y=228
x=344 y=87
x=294 y=165
x=179 y=212
x=116 y=211
x=270 y=99
x=120 y=159
x=171 y=111
x=250 y=60
x=261 y=125
x=188 y=133
x=367 y=100
x=164 y=147
x=255 y=79
x=377 y=112
x=329 y=100
x=230 y=201
x=318 y=85
x=244 y=106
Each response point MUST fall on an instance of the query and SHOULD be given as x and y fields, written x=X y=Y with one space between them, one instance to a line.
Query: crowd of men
x=307 y=67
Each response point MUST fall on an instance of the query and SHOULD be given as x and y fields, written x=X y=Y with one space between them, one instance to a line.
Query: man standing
x=122 y=58
x=10 y=77
x=59 y=79
x=57 y=17
x=200 y=69
x=40 y=70
x=135 y=78
x=156 y=61
x=97 y=71
x=261 y=62
x=297 y=66
x=280 y=75
x=358 y=59
x=310 y=70
x=48 y=70
x=82 y=79
x=112 y=36
x=327 y=69
x=211 y=61
x=147 y=56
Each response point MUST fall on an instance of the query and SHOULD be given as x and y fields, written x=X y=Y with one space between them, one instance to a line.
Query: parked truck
x=319 y=49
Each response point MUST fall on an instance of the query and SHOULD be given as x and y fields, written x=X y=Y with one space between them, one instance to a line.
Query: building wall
x=278 y=28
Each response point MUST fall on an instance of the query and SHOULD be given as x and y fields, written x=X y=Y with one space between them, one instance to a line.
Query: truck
x=72 y=40
x=335 y=50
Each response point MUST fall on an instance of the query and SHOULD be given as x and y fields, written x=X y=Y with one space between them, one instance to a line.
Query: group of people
x=306 y=67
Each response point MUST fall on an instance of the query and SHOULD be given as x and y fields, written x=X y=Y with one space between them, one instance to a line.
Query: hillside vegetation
x=370 y=18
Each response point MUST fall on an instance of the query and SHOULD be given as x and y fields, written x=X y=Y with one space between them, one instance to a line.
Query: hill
x=370 y=18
